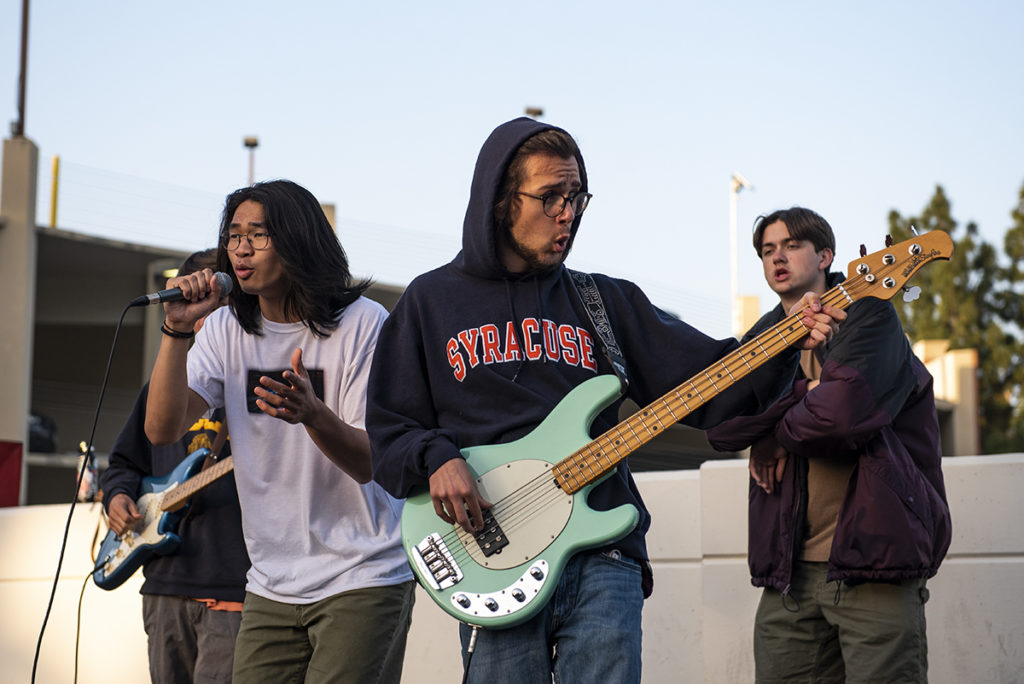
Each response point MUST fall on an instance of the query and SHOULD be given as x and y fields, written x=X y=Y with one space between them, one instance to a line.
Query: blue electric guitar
x=539 y=484
x=162 y=503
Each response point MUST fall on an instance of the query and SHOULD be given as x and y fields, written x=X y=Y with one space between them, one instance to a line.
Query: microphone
x=174 y=294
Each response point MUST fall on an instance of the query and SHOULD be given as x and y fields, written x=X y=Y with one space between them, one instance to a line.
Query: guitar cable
x=86 y=462
x=78 y=621
x=469 y=652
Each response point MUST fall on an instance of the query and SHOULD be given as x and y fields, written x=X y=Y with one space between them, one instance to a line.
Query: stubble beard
x=533 y=261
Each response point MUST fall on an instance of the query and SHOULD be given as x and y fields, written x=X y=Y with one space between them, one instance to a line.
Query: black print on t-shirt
x=316 y=379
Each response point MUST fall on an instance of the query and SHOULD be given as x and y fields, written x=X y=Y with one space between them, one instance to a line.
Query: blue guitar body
x=509 y=575
x=156 y=531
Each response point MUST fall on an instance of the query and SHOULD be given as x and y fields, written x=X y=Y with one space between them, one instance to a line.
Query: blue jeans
x=588 y=632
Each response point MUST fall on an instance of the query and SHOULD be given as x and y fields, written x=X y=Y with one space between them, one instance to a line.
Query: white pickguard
x=529 y=525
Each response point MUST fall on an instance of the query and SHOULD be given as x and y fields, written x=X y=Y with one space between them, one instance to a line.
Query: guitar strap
x=594 y=305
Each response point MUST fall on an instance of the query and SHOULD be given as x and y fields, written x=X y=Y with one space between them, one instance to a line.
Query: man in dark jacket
x=479 y=352
x=191 y=599
x=848 y=512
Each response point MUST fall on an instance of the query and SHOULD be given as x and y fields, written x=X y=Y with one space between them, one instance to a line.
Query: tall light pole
x=736 y=183
x=18 y=125
x=252 y=142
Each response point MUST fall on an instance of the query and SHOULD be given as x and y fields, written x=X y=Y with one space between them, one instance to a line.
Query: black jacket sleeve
x=866 y=378
x=406 y=441
x=663 y=352
x=131 y=457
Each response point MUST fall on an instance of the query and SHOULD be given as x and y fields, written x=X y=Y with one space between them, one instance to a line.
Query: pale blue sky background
x=852 y=109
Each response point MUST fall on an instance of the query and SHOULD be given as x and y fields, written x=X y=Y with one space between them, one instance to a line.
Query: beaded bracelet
x=175 y=334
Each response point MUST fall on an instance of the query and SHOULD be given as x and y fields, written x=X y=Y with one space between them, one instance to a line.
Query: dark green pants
x=188 y=642
x=356 y=637
x=826 y=632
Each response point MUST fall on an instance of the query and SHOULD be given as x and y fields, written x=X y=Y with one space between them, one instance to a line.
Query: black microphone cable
x=86 y=462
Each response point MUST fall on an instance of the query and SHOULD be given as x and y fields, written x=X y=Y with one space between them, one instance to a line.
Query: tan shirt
x=827 y=481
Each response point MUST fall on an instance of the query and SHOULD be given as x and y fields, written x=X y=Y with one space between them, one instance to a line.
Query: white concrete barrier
x=697 y=626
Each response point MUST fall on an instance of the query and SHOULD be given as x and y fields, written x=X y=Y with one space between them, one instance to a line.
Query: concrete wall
x=18 y=163
x=697 y=626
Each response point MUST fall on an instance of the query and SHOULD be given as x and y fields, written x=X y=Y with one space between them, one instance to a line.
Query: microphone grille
x=225 y=282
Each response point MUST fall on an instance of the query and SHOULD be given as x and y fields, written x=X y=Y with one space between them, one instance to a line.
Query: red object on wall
x=10 y=472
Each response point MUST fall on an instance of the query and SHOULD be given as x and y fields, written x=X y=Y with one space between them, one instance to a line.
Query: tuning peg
x=863 y=251
x=888 y=240
x=911 y=293
x=914 y=230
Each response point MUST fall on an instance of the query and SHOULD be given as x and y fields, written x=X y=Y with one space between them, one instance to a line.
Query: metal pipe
x=53 y=191
x=18 y=127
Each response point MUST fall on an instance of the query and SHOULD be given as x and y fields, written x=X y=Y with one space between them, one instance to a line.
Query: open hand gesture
x=293 y=400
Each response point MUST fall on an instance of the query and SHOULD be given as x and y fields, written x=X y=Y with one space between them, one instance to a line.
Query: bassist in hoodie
x=480 y=351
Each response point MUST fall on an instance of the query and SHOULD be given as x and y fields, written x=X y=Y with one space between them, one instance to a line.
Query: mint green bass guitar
x=539 y=484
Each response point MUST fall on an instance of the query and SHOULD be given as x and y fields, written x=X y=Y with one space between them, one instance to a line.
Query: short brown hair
x=552 y=141
x=803 y=224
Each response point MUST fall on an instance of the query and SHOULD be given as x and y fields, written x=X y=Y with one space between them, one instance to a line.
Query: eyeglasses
x=257 y=241
x=554 y=203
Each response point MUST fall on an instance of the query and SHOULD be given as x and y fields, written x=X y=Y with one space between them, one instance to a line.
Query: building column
x=18 y=285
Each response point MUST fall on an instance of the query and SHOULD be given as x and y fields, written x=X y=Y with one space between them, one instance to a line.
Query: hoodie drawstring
x=515 y=329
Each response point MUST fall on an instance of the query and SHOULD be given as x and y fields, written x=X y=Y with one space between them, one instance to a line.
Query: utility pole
x=736 y=184
x=18 y=126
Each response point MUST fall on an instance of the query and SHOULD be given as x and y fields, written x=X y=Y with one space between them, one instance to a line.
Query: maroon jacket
x=874 y=400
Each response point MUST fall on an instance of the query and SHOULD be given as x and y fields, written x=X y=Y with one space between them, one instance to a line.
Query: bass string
x=539 y=493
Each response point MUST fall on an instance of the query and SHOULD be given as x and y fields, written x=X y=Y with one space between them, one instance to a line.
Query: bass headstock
x=884 y=273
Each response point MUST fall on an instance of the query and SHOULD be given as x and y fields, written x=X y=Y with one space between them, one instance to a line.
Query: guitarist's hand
x=122 y=514
x=822 y=321
x=453 y=491
x=767 y=463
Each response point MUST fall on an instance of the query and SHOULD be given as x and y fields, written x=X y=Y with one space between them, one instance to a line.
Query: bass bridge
x=436 y=563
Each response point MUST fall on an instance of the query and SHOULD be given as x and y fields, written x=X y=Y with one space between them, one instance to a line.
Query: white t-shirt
x=310 y=529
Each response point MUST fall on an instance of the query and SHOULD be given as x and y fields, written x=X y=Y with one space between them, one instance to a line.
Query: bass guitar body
x=505 y=574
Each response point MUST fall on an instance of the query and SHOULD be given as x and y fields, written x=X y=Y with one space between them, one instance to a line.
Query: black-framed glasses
x=258 y=240
x=554 y=203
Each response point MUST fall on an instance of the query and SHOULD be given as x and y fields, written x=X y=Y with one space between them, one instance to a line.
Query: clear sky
x=852 y=109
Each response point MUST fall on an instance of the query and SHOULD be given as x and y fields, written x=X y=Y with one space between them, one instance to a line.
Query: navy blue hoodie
x=475 y=354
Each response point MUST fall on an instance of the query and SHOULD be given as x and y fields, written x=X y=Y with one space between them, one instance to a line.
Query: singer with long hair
x=329 y=594
x=191 y=599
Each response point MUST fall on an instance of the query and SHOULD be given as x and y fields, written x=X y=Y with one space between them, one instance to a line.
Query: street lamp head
x=251 y=141
x=738 y=182
x=534 y=112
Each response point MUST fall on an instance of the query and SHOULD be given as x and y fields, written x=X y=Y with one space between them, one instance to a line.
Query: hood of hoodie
x=479 y=255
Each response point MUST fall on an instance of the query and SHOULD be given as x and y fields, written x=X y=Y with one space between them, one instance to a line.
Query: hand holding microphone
x=176 y=294
x=195 y=296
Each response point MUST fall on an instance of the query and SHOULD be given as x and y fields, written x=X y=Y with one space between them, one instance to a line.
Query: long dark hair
x=319 y=282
